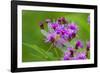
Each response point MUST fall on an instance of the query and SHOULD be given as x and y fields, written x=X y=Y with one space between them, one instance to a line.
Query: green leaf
x=41 y=52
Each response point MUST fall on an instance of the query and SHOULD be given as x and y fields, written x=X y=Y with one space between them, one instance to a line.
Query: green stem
x=56 y=52
x=50 y=47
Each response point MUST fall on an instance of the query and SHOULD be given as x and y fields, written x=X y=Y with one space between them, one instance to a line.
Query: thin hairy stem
x=50 y=47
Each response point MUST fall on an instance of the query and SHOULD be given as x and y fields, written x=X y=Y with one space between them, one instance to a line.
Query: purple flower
x=60 y=33
x=73 y=30
x=62 y=20
x=73 y=35
x=88 y=45
x=67 y=56
x=50 y=38
x=89 y=19
x=73 y=27
x=71 y=50
x=63 y=31
x=80 y=56
x=69 y=34
x=54 y=25
x=79 y=44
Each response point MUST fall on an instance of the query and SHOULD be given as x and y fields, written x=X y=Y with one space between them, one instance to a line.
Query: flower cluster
x=72 y=54
x=59 y=33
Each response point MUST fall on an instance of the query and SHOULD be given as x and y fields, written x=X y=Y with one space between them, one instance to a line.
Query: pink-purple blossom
x=73 y=27
x=60 y=33
x=66 y=33
x=67 y=56
x=79 y=44
x=54 y=26
x=81 y=55
x=89 y=19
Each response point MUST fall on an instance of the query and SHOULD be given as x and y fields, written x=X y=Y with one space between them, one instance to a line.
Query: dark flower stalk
x=88 y=46
x=59 y=21
x=41 y=25
x=64 y=21
x=71 y=50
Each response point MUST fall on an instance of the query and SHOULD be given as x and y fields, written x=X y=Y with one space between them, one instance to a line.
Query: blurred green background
x=33 y=46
